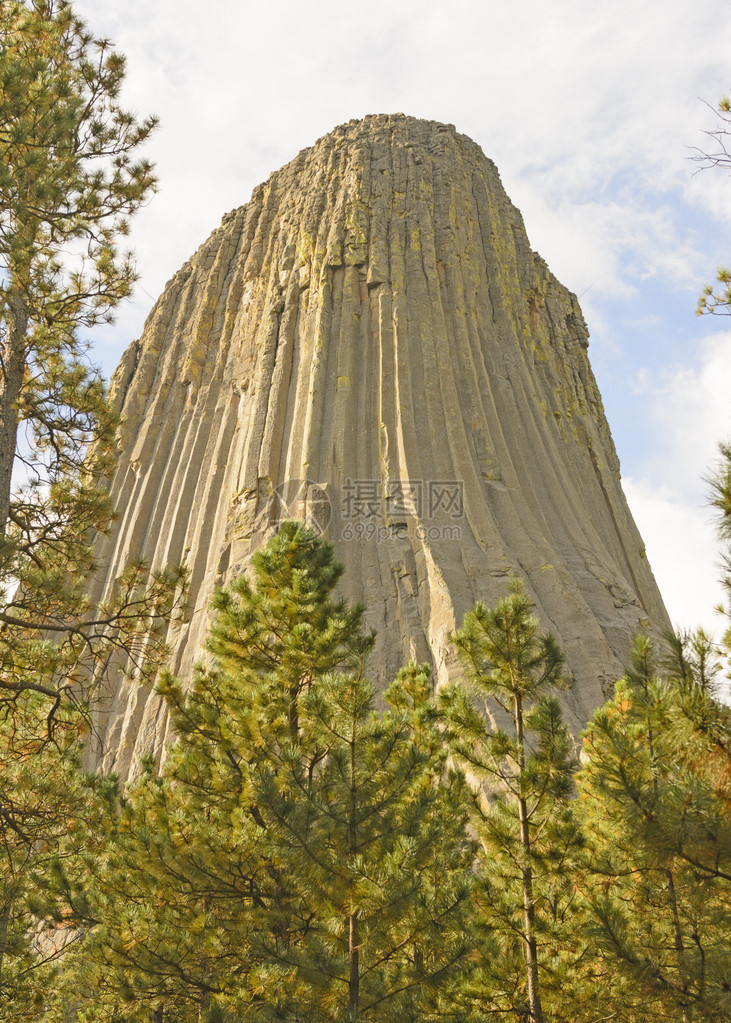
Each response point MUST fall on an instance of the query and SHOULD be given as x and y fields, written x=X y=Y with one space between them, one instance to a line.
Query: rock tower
x=370 y=344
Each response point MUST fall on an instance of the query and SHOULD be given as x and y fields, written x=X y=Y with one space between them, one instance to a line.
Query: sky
x=591 y=113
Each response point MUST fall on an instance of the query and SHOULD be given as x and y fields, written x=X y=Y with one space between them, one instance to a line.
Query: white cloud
x=682 y=550
x=610 y=247
x=588 y=111
x=689 y=405
x=689 y=411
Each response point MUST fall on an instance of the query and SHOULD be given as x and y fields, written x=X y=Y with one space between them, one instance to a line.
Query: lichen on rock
x=370 y=344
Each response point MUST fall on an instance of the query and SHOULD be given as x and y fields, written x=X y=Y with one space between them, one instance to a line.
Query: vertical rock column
x=371 y=344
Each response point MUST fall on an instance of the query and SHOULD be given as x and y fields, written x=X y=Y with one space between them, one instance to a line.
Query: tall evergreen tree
x=53 y=821
x=654 y=795
x=176 y=895
x=370 y=835
x=296 y=858
x=520 y=806
x=70 y=177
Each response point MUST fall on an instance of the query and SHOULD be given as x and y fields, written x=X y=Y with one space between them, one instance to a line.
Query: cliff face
x=371 y=344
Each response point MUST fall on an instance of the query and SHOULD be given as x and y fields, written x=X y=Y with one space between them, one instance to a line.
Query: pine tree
x=653 y=798
x=176 y=894
x=52 y=823
x=520 y=808
x=70 y=177
x=370 y=835
x=296 y=859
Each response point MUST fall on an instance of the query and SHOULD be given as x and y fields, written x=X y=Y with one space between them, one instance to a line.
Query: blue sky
x=588 y=110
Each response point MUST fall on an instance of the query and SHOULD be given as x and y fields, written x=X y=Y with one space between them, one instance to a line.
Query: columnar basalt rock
x=371 y=344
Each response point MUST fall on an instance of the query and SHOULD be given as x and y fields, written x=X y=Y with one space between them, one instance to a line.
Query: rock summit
x=370 y=344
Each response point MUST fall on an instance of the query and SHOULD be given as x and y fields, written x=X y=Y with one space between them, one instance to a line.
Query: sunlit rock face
x=370 y=344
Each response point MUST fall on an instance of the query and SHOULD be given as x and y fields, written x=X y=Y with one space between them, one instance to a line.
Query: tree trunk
x=4 y=923
x=11 y=381
x=294 y=722
x=678 y=941
x=353 y=947
x=354 y=961
x=529 y=909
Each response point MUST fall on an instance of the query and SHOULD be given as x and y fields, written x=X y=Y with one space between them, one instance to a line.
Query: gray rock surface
x=371 y=344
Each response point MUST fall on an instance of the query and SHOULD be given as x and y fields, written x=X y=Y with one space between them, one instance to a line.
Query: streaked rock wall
x=371 y=344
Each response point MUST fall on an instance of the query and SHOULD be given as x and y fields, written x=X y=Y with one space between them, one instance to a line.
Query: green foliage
x=654 y=795
x=52 y=824
x=371 y=841
x=716 y=297
x=520 y=807
x=69 y=179
x=69 y=168
x=693 y=659
x=301 y=856
x=304 y=857
x=719 y=483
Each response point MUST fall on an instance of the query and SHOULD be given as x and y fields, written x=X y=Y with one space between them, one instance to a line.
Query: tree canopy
x=70 y=178
x=520 y=809
x=301 y=856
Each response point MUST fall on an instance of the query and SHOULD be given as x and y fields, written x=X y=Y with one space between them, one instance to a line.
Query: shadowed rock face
x=371 y=344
